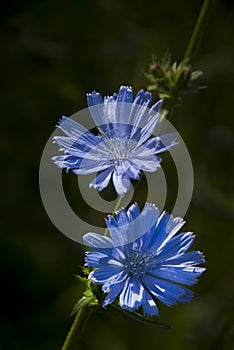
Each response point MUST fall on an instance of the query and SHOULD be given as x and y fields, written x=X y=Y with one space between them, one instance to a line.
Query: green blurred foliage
x=53 y=52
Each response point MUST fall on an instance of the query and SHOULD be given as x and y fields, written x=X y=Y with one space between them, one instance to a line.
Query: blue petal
x=132 y=294
x=123 y=109
x=122 y=217
x=167 y=227
x=70 y=146
x=96 y=109
x=102 y=179
x=162 y=143
x=187 y=259
x=148 y=305
x=117 y=235
x=121 y=183
x=89 y=168
x=143 y=97
x=94 y=99
x=180 y=274
x=115 y=279
x=142 y=224
x=92 y=162
x=118 y=253
x=146 y=241
x=76 y=131
x=105 y=257
x=167 y=292
x=125 y=94
x=104 y=273
x=149 y=128
x=114 y=292
x=176 y=246
x=139 y=115
x=133 y=212
x=147 y=163
x=95 y=259
x=133 y=170
x=148 y=98
x=186 y=297
x=157 y=106
x=69 y=162
x=96 y=241
x=148 y=218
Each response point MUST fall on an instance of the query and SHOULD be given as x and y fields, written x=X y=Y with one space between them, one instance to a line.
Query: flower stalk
x=78 y=326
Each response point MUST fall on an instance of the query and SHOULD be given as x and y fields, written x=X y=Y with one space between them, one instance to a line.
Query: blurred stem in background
x=168 y=80
x=197 y=32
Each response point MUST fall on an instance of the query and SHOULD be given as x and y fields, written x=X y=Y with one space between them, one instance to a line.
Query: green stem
x=117 y=205
x=197 y=30
x=77 y=328
x=82 y=316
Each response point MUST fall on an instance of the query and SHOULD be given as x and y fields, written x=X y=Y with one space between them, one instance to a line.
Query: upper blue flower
x=144 y=259
x=124 y=146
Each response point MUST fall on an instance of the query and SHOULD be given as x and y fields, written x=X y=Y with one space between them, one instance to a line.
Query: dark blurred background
x=53 y=52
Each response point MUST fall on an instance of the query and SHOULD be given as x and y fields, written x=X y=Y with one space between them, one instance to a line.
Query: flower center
x=137 y=263
x=117 y=150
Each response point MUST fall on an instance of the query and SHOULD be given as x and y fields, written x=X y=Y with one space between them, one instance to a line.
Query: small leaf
x=80 y=304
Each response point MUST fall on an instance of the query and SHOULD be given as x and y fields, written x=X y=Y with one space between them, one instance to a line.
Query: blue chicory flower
x=123 y=148
x=144 y=259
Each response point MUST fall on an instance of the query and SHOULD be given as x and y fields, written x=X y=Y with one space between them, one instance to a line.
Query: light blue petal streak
x=131 y=296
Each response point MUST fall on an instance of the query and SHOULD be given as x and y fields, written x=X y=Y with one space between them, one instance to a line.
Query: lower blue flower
x=144 y=260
